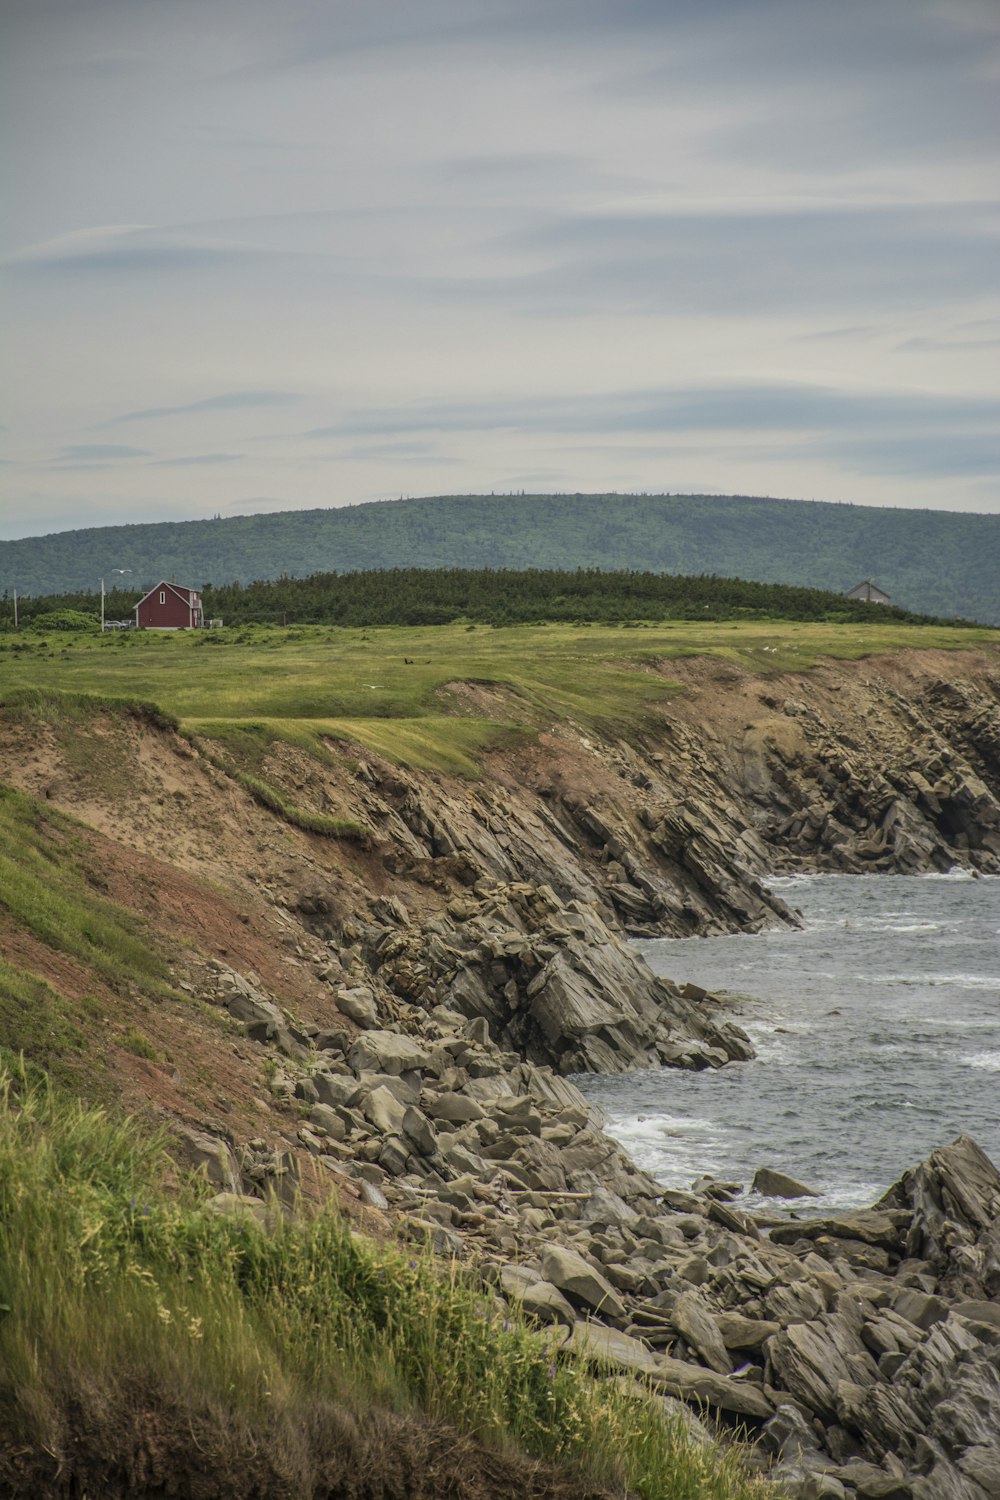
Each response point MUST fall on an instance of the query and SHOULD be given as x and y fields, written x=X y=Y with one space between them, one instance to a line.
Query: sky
x=267 y=256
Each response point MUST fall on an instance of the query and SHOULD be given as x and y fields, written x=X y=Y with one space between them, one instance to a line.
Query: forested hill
x=935 y=562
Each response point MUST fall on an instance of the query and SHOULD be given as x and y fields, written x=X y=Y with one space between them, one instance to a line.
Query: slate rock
x=387 y=1052
x=693 y=1320
x=335 y=1090
x=384 y=1111
x=360 y=1006
x=606 y=1346
x=568 y=1271
x=693 y=1383
x=776 y=1185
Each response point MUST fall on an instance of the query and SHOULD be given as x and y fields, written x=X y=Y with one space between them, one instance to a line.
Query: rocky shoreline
x=474 y=954
x=861 y=1349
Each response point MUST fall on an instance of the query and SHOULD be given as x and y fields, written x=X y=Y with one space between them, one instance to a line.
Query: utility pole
x=123 y=571
x=15 y=610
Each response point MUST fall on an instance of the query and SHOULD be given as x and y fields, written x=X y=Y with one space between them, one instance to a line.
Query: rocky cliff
x=392 y=1019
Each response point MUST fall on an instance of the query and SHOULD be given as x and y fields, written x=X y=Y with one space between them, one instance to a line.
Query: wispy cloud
x=197 y=460
x=86 y=452
x=763 y=408
x=228 y=401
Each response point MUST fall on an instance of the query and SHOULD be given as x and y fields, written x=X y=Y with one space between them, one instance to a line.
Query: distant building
x=169 y=606
x=869 y=592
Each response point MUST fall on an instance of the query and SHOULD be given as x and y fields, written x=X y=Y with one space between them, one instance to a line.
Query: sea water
x=877 y=1029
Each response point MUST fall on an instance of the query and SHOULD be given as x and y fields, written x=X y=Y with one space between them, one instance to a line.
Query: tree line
x=489 y=596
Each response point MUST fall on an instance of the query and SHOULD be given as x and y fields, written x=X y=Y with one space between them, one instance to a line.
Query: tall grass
x=271 y=1343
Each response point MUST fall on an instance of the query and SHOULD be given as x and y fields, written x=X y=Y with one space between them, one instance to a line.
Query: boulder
x=776 y=1185
x=359 y=1005
x=872 y=1226
x=384 y=1111
x=693 y=1383
x=546 y=1302
x=453 y=1108
x=210 y=1156
x=418 y=1129
x=693 y=1321
x=387 y=1052
x=953 y=1200
x=568 y=1271
x=606 y=1346
x=328 y=1118
x=811 y=1360
x=336 y=1091
x=739 y=1332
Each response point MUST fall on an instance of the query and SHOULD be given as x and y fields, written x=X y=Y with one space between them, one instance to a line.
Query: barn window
x=163 y=597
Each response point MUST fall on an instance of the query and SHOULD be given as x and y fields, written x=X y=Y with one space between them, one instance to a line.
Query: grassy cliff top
x=393 y=688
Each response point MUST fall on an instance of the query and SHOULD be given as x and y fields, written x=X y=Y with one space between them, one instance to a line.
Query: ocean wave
x=987 y=1062
x=933 y=981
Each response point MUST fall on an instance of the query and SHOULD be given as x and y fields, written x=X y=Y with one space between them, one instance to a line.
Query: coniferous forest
x=438 y=596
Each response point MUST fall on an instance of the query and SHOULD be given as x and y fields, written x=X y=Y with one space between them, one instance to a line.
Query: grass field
x=387 y=687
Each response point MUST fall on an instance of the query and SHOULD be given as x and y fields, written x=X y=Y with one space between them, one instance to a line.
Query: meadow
x=388 y=687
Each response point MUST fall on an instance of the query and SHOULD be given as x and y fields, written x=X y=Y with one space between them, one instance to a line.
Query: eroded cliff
x=390 y=1018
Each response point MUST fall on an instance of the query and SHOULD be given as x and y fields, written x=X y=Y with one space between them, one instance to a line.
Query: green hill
x=935 y=562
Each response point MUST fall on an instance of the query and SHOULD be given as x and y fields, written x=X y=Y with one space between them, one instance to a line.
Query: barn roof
x=178 y=588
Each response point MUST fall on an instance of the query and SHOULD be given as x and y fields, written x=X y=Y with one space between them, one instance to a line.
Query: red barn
x=169 y=606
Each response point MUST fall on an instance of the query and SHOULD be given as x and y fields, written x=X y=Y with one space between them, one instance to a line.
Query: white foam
x=931 y=981
x=987 y=1062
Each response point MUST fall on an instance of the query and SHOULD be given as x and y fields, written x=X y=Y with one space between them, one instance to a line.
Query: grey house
x=869 y=592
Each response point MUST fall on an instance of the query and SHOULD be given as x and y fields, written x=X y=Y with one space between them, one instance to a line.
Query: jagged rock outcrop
x=551 y=981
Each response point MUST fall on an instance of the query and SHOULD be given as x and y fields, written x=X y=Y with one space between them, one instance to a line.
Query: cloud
x=964 y=455
x=115 y=250
x=740 y=264
x=379 y=451
x=228 y=401
x=197 y=459
x=933 y=344
x=770 y=408
x=90 y=452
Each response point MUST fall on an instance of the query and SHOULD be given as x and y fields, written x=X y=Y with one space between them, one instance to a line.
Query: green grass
x=116 y=1301
x=387 y=688
x=51 y=890
x=47 y=886
x=38 y=1022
